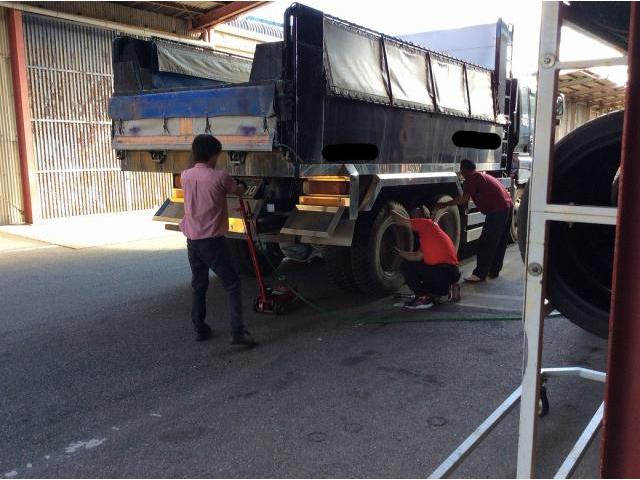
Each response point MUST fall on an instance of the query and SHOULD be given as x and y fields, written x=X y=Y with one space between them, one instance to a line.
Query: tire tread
x=338 y=267
x=364 y=278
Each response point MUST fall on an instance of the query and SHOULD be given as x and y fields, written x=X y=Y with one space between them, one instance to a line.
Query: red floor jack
x=270 y=299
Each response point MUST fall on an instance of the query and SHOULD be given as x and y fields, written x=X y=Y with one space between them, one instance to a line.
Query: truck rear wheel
x=375 y=267
x=337 y=262
x=449 y=219
x=269 y=257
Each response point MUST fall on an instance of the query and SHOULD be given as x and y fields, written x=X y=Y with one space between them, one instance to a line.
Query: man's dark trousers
x=212 y=253
x=425 y=279
x=492 y=244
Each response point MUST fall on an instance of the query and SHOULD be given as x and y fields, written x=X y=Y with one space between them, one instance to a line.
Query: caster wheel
x=278 y=309
x=543 y=402
x=256 y=306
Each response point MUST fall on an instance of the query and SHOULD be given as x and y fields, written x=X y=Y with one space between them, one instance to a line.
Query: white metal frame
x=540 y=214
x=569 y=465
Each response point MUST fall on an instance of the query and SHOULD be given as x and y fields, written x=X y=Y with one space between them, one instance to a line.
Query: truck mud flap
x=341 y=237
x=170 y=212
x=313 y=221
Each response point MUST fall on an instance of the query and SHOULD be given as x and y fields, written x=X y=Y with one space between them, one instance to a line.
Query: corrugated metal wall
x=70 y=81
x=10 y=186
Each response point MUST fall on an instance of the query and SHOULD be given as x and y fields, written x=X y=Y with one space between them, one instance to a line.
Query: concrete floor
x=89 y=230
x=101 y=377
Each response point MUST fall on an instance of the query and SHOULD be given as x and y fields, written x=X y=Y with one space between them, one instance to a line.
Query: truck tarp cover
x=355 y=67
x=480 y=93
x=202 y=63
x=355 y=62
x=451 y=92
x=408 y=70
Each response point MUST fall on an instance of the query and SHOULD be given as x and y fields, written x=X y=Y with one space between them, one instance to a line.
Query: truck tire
x=374 y=265
x=337 y=262
x=449 y=219
x=269 y=258
x=517 y=200
x=580 y=262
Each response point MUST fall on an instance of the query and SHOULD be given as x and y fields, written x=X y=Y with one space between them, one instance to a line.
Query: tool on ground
x=270 y=299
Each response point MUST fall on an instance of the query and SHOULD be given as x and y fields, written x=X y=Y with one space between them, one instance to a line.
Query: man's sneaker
x=473 y=279
x=243 y=338
x=420 y=303
x=410 y=301
x=454 y=292
x=204 y=333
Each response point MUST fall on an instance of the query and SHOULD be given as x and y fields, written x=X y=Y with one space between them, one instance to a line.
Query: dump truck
x=330 y=129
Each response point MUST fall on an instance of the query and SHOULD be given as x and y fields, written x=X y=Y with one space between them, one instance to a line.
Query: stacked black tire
x=580 y=262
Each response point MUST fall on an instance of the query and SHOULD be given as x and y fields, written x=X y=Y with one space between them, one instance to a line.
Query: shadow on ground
x=101 y=376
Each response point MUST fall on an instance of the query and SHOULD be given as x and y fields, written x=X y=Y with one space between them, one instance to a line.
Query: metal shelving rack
x=541 y=212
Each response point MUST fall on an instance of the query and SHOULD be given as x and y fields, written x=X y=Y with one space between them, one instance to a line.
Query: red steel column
x=621 y=433
x=23 y=116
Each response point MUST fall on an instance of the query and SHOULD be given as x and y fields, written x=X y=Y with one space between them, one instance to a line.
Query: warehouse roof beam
x=223 y=14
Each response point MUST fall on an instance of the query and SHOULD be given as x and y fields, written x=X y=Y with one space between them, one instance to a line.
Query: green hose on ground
x=423 y=319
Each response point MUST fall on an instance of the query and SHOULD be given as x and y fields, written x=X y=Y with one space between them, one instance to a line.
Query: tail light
x=326 y=186
x=326 y=191
x=176 y=181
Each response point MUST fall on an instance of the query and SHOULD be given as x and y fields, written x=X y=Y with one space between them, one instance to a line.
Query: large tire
x=337 y=261
x=374 y=265
x=449 y=219
x=580 y=262
x=517 y=201
x=269 y=258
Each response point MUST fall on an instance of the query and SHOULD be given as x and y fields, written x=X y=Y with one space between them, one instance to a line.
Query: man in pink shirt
x=205 y=223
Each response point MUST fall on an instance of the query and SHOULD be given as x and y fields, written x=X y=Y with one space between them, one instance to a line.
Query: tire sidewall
x=389 y=281
x=451 y=212
x=368 y=273
x=517 y=201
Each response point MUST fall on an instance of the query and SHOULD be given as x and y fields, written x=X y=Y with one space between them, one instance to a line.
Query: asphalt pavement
x=101 y=377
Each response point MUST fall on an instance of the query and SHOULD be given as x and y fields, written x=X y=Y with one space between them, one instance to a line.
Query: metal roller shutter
x=70 y=81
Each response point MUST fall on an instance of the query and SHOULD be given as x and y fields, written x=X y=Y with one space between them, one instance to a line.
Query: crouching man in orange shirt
x=432 y=271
